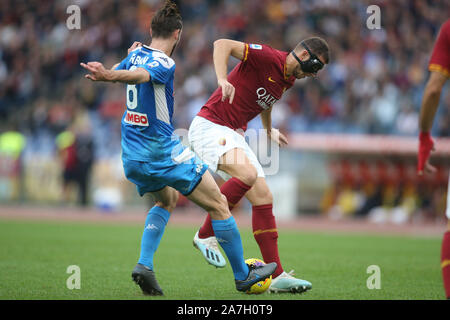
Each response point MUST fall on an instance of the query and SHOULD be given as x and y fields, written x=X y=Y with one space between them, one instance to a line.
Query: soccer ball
x=261 y=286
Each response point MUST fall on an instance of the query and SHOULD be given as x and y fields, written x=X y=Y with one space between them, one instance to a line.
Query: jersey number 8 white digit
x=132 y=94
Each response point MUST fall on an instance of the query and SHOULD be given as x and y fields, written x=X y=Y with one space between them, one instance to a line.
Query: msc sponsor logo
x=265 y=99
x=136 y=118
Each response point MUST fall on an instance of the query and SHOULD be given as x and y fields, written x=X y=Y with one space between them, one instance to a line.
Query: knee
x=170 y=203
x=261 y=196
x=266 y=197
x=248 y=175
x=219 y=208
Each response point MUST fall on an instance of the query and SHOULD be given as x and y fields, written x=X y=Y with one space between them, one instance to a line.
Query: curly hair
x=166 y=20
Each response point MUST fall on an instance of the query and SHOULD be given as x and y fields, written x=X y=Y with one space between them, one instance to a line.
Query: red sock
x=266 y=235
x=445 y=263
x=234 y=189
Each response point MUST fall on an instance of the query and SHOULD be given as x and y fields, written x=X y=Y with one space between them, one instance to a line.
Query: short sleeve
x=123 y=64
x=440 y=58
x=160 y=68
x=256 y=54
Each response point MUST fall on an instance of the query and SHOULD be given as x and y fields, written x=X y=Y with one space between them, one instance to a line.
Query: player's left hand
x=134 y=46
x=276 y=136
x=228 y=90
x=98 y=71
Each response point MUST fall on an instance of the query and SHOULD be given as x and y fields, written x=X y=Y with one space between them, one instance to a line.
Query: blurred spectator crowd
x=373 y=84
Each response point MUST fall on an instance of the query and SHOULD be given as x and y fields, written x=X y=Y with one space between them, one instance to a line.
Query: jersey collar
x=150 y=48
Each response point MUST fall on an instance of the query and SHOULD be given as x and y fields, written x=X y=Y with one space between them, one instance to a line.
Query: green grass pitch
x=34 y=257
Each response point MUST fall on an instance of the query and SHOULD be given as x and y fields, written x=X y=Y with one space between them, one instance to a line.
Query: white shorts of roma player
x=210 y=141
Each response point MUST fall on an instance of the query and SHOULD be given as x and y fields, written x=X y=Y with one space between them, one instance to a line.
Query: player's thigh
x=207 y=195
x=142 y=175
x=211 y=142
x=237 y=164
x=260 y=193
x=166 y=198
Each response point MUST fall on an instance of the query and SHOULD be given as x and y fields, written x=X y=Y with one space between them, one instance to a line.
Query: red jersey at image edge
x=260 y=81
x=440 y=58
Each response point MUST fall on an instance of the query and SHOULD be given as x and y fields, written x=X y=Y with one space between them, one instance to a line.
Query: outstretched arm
x=99 y=73
x=223 y=49
x=430 y=103
x=274 y=134
x=266 y=119
x=430 y=100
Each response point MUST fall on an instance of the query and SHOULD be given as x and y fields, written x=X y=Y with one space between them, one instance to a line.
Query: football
x=261 y=286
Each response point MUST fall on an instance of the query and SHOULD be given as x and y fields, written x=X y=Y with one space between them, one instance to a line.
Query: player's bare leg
x=166 y=198
x=260 y=193
x=207 y=195
x=236 y=164
x=266 y=235
x=245 y=181
x=143 y=274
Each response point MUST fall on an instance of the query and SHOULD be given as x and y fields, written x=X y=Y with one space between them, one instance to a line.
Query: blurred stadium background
x=353 y=130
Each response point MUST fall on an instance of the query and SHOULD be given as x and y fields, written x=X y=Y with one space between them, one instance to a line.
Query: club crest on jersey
x=256 y=46
x=265 y=99
x=153 y=64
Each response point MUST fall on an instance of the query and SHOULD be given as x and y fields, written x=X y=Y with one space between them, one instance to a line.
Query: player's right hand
x=426 y=145
x=134 y=46
x=228 y=90
x=98 y=71
x=279 y=138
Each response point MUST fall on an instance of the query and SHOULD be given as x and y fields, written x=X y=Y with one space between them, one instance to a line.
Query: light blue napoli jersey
x=147 y=122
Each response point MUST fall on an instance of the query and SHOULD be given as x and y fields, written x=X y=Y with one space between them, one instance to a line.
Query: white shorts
x=210 y=141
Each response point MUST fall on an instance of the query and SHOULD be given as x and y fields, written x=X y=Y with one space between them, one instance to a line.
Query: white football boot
x=285 y=282
x=209 y=248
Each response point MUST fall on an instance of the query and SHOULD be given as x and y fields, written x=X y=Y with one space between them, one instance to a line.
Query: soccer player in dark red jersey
x=251 y=88
x=439 y=68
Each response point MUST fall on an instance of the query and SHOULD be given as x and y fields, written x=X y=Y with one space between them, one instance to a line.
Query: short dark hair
x=318 y=46
x=166 y=20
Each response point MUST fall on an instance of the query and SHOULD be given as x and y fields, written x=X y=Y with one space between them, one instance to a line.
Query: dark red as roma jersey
x=440 y=58
x=259 y=80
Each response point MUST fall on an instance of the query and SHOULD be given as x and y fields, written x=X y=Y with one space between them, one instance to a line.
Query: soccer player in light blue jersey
x=154 y=158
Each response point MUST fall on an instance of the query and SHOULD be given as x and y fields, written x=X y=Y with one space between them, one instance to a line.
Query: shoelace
x=212 y=243
x=290 y=274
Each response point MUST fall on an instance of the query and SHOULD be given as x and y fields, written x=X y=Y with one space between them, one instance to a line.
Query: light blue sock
x=229 y=238
x=154 y=229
